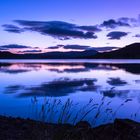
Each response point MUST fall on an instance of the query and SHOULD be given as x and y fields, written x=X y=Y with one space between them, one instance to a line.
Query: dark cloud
x=65 y=34
x=90 y=28
x=102 y=49
x=137 y=35
x=21 y=47
x=133 y=22
x=77 y=47
x=53 y=47
x=14 y=46
x=74 y=47
x=116 y=35
x=64 y=30
x=81 y=47
x=3 y=49
x=12 y=28
x=36 y=47
x=121 y=22
x=30 y=51
x=113 y=24
x=57 y=29
x=127 y=20
x=47 y=24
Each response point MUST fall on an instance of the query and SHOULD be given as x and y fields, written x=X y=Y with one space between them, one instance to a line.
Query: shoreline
x=27 y=129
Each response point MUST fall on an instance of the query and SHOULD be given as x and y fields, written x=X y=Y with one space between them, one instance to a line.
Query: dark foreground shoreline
x=26 y=129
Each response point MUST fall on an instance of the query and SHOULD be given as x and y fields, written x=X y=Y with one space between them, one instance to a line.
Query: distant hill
x=50 y=55
x=129 y=52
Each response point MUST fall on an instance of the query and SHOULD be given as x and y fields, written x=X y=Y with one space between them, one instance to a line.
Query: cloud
x=74 y=47
x=116 y=35
x=53 y=47
x=102 y=49
x=19 y=47
x=64 y=31
x=65 y=34
x=81 y=47
x=121 y=22
x=127 y=20
x=12 y=28
x=30 y=51
x=77 y=47
x=14 y=46
x=133 y=22
x=57 y=29
x=3 y=49
x=137 y=35
x=113 y=24
x=90 y=28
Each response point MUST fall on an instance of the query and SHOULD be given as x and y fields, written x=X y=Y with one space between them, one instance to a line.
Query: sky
x=53 y=23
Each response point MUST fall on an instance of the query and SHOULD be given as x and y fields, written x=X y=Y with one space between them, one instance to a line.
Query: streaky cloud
x=31 y=51
x=14 y=46
x=12 y=28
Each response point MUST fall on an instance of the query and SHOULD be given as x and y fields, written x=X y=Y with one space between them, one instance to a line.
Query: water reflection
x=116 y=82
x=66 y=67
x=58 y=87
x=13 y=89
x=132 y=68
x=78 y=81
x=111 y=93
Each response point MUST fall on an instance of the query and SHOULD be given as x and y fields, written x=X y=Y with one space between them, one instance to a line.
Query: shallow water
x=80 y=80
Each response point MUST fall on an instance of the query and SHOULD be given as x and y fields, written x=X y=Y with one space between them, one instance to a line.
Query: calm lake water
x=26 y=84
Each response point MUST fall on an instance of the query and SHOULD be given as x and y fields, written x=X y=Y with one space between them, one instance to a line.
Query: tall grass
x=56 y=111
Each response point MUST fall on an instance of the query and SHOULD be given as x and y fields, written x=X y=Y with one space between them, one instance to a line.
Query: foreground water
x=23 y=82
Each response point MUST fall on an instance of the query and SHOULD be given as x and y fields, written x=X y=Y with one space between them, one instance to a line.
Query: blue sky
x=78 y=12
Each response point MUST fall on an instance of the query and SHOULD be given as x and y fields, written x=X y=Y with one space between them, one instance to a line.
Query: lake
x=112 y=85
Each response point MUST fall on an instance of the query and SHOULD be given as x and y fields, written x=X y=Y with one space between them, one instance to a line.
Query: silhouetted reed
x=56 y=111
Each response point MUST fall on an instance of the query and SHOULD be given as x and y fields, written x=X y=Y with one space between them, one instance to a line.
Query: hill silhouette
x=129 y=52
x=49 y=55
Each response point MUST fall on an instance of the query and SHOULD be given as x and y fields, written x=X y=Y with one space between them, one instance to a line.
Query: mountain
x=129 y=52
x=50 y=55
